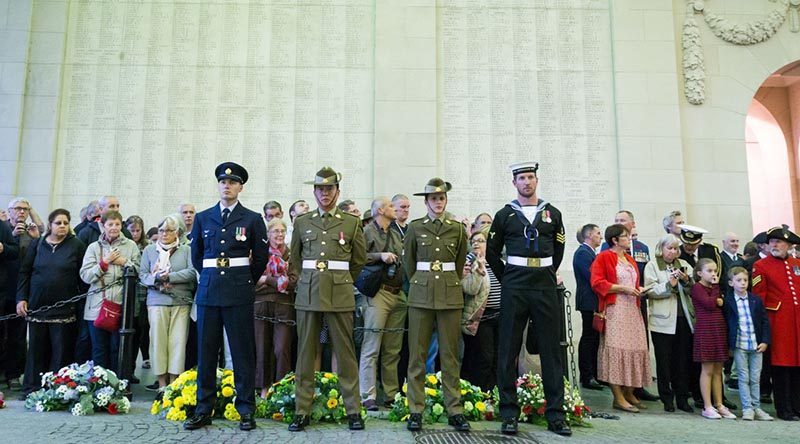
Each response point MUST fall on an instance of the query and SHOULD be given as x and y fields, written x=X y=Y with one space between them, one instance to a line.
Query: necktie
x=225 y=214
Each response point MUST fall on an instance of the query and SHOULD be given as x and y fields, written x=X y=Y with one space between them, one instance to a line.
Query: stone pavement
x=18 y=426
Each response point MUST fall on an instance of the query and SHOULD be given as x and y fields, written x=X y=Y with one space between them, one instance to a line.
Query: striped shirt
x=746 y=337
x=494 y=290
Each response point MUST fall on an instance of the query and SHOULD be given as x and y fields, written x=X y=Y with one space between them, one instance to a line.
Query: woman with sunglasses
x=49 y=274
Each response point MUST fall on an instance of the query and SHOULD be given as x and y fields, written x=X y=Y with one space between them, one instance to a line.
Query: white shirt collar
x=232 y=207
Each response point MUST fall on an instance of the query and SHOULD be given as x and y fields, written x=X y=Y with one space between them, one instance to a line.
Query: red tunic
x=777 y=282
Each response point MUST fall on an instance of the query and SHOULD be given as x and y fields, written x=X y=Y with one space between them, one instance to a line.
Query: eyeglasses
x=277 y=231
x=478 y=241
x=163 y=230
x=21 y=208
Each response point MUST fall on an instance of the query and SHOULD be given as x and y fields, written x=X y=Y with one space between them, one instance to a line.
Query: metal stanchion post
x=126 y=357
x=562 y=331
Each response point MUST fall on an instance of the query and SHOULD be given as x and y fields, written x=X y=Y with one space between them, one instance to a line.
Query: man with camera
x=385 y=310
x=26 y=226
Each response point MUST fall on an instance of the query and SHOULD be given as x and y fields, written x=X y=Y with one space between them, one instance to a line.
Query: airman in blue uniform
x=230 y=250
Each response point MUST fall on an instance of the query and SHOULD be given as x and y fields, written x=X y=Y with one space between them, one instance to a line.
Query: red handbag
x=110 y=316
x=599 y=322
x=599 y=318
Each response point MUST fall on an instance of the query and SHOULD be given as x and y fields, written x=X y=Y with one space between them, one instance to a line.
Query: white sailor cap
x=691 y=234
x=523 y=167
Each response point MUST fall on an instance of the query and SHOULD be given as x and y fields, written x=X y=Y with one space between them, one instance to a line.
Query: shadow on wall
x=772 y=138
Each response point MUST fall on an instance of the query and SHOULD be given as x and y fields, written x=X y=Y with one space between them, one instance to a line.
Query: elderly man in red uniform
x=776 y=279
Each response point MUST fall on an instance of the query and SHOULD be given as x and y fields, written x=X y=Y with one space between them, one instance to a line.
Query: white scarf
x=163 y=264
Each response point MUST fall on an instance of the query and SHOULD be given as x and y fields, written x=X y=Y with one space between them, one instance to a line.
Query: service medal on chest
x=796 y=270
x=341 y=238
x=546 y=216
x=240 y=234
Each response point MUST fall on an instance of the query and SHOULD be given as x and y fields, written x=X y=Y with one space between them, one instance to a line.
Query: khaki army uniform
x=434 y=255
x=328 y=253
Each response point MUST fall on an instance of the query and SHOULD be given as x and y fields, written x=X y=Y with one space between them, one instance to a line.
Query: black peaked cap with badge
x=231 y=170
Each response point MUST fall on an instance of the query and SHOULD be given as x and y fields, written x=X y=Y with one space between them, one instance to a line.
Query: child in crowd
x=710 y=341
x=748 y=337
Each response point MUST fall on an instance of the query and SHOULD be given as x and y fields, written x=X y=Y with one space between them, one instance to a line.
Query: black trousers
x=766 y=373
x=786 y=381
x=12 y=342
x=238 y=322
x=480 y=353
x=674 y=362
x=83 y=343
x=517 y=306
x=51 y=346
x=587 y=348
x=141 y=339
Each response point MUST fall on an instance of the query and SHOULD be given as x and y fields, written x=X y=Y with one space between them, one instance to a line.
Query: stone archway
x=772 y=138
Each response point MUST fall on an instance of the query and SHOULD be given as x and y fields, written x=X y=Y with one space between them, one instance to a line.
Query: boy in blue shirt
x=748 y=337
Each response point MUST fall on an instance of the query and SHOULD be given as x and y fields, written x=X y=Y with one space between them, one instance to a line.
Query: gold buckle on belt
x=534 y=262
x=436 y=266
x=322 y=265
x=223 y=262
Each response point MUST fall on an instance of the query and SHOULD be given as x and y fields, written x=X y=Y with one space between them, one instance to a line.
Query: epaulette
x=343 y=215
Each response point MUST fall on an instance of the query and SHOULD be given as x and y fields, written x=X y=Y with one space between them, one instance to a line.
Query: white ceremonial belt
x=436 y=266
x=533 y=262
x=225 y=262
x=326 y=265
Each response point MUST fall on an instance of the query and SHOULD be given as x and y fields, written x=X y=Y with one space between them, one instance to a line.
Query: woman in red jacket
x=623 y=360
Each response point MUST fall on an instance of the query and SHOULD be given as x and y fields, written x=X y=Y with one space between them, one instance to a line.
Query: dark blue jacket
x=585 y=298
x=225 y=287
x=757 y=312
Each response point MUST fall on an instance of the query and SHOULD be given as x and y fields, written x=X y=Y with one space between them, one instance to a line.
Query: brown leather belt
x=390 y=289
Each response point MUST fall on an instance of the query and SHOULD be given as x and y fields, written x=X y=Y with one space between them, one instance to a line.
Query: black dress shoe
x=153 y=387
x=414 y=422
x=592 y=384
x=684 y=406
x=766 y=399
x=729 y=404
x=389 y=403
x=299 y=423
x=247 y=422
x=509 y=426
x=370 y=405
x=559 y=427
x=644 y=395
x=197 y=421
x=668 y=407
x=134 y=380
x=355 y=422
x=459 y=422
x=788 y=417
